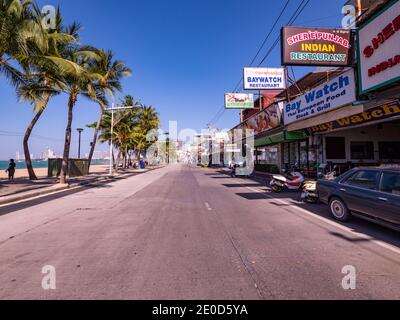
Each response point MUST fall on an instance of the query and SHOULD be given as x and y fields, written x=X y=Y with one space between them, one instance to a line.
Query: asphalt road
x=188 y=233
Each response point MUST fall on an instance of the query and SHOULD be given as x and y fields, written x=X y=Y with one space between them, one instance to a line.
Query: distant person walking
x=11 y=170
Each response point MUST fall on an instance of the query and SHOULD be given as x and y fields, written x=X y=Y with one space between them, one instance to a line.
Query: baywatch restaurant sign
x=332 y=95
x=379 y=46
x=316 y=47
x=385 y=111
x=239 y=101
x=264 y=79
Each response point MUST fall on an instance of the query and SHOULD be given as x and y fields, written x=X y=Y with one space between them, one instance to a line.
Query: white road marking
x=330 y=222
x=208 y=206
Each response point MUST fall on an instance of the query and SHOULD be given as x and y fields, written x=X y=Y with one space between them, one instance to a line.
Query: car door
x=359 y=191
x=389 y=198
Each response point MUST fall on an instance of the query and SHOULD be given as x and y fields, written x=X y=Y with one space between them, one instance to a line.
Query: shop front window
x=362 y=150
x=389 y=150
x=335 y=148
x=303 y=154
x=272 y=155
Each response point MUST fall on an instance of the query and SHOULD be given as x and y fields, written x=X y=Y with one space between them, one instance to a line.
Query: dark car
x=368 y=193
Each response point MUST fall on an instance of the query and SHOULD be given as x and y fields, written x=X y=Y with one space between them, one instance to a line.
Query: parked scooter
x=287 y=181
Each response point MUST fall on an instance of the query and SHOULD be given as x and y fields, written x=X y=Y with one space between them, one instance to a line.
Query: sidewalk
x=22 y=188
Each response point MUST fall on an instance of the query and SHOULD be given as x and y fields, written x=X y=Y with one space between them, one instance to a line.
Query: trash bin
x=142 y=165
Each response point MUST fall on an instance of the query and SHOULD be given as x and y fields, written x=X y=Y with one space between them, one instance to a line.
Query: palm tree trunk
x=28 y=132
x=67 y=144
x=96 y=133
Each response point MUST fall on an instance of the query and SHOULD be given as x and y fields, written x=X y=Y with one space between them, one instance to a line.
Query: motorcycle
x=291 y=181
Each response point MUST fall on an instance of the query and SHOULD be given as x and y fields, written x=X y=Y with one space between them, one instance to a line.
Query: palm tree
x=79 y=82
x=148 y=121
x=44 y=76
x=18 y=29
x=111 y=71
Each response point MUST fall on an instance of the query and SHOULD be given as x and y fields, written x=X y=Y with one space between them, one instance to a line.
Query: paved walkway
x=22 y=185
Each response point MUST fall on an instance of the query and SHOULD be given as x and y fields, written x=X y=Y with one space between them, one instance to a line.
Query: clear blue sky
x=185 y=54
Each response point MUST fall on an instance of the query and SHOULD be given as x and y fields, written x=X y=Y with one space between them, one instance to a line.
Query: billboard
x=264 y=79
x=269 y=118
x=379 y=38
x=239 y=101
x=316 y=47
x=328 y=96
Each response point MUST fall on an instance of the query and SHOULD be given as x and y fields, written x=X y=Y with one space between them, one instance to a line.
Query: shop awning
x=280 y=137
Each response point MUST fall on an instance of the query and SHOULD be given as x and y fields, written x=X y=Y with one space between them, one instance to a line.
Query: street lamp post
x=167 y=146
x=112 y=110
x=79 y=145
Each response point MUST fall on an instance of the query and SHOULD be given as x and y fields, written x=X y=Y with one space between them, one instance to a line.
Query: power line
x=293 y=18
x=221 y=111
x=270 y=32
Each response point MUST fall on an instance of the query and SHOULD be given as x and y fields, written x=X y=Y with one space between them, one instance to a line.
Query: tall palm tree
x=44 y=77
x=18 y=29
x=111 y=72
x=148 y=120
x=77 y=83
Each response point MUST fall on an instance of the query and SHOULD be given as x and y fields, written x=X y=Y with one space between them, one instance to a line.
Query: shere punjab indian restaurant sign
x=316 y=47
x=379 y=46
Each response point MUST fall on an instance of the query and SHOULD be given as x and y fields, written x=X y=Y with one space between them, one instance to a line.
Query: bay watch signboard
x=329 y=96
x=379 y=45
x=316 y=47
x=239 y=101
x=380 y=113
x=264 y=78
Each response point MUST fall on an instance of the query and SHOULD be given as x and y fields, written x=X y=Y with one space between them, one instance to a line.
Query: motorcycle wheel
x=276 y=189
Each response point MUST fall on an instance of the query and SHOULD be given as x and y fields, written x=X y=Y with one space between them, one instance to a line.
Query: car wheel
x=339 y=210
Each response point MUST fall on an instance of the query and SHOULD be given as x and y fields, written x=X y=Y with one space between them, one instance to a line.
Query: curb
x=56 y=188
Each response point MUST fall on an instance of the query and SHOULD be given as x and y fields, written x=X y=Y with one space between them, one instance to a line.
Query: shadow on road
x=293 y=199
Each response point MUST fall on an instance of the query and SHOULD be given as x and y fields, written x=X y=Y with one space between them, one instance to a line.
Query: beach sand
x=42 y=172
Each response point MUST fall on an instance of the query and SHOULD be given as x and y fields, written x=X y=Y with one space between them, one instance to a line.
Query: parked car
x=369 y=193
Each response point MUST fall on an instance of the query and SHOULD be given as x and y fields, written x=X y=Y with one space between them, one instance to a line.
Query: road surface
x=183 y=232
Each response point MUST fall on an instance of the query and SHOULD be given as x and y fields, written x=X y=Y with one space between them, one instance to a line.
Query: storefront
x=370 y=138
x=330 y=100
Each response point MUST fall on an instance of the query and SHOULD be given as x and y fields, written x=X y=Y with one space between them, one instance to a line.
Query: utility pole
x=167 y=146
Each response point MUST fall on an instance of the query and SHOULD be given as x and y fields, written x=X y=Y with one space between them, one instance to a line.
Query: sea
x=41 y=164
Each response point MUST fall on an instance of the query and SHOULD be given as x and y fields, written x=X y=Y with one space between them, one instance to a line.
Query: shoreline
x=42 y=172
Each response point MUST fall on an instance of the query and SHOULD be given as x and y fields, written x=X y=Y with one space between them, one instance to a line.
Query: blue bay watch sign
x=329 y=96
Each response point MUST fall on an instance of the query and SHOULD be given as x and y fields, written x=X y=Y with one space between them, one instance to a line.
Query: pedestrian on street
x=11 y=170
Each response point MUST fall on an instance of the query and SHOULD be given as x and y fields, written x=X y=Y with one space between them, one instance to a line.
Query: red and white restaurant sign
x=379 y=46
